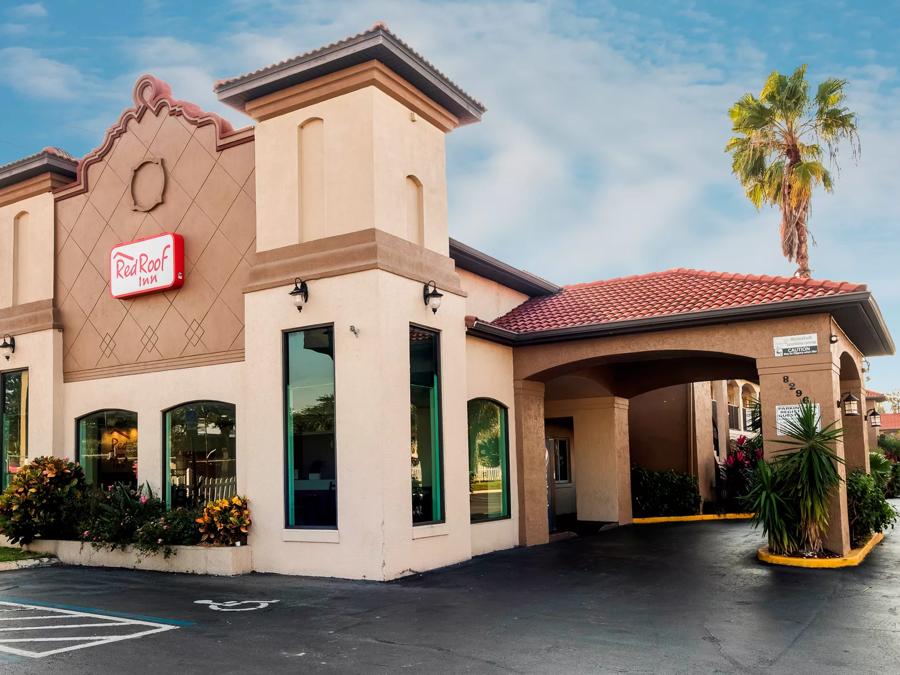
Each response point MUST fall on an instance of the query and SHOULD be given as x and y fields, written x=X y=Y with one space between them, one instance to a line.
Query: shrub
x=739 y=465
x=893 y=487
x=664 y=493
x=890 y=446
x=867 y=507
x=770 y=502
x=880 y=468
x=112 y=517
x=225 y=522
x=174 y=528
x=42 y=500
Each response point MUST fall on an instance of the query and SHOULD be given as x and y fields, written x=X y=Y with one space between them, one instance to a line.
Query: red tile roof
x=871 y=394
x=890 y=421
x=661 y=294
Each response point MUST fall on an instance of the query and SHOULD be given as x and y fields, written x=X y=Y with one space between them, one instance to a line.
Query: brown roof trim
x=857 y=314
x=151 y=93
x=48 y=160
x=377 y=43
x=482 y=264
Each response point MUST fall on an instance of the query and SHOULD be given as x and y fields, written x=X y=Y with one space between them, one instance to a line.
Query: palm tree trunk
x=803 y=271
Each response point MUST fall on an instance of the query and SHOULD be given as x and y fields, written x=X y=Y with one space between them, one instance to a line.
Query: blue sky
x=602 y=150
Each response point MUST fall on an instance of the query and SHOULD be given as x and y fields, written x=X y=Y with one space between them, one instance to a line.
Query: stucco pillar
x=856 y=442
x=602 y=457
x=817 y=378
x=531 y=452
x=720 y=391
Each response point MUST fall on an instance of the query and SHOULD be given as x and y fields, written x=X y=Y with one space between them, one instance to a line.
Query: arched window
x=13 y=422
x=488 y=460
x=201 y=452
x=311 y=170
x=108 y=447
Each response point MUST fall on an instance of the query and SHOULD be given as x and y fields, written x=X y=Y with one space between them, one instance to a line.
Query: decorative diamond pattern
x=194 y=332
x=107 y=346
x=209 y=200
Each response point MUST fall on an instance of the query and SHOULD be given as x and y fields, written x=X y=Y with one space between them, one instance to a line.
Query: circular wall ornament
x=148 y=183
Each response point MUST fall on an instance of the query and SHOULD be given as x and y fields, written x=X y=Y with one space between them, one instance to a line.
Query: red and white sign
x=147 y=265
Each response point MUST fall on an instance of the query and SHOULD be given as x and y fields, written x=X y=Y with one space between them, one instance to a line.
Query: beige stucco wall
x=658 y=421
x=371 y=145
x=487 y=299
x=26 y=251
x=375 y=537
x=489 y=375
x=41 y=353
x=149 y=395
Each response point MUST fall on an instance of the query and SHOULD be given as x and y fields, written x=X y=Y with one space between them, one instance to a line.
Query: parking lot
x=662 y=598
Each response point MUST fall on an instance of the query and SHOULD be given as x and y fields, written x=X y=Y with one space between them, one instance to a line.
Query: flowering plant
x=113 y=516
x=225 y=522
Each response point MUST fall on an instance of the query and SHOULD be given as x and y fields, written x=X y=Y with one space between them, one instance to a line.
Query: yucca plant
x=810 y=471
x=771 y=510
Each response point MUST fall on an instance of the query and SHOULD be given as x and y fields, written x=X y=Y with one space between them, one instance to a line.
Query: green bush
x=881 y=468
x=867 y=507
x=893 y=487
x=174 y=528
x=890 y=445
x=663 y=493
x=112 y=517
x=42 y=500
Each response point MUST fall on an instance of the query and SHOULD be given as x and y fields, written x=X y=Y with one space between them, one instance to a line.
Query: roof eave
x=857 y=313
x=377 y=44
x=487 y=266
x=44 y=162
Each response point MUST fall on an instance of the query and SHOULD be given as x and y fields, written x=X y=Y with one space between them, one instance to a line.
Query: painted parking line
x=41 y=630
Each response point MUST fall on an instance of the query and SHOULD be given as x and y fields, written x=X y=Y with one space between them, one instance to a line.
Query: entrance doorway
x=561 y=502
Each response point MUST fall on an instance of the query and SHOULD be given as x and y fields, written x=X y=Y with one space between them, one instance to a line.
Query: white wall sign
x=146 y=265
x=794 y=345
x=787 y=413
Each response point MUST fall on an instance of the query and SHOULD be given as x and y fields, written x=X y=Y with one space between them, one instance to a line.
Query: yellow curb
x=690 y=519
x=852 y=559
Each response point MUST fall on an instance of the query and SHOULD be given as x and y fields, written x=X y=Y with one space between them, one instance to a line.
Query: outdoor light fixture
x=874 y=418
x=8 y=346
x=432 y=296
x=833 y=339
x=300 y=294
x=850 y=405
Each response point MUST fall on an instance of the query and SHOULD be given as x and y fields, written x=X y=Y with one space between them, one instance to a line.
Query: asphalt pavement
x=685 y=598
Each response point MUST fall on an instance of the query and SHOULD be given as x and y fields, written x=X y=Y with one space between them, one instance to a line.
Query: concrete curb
x=852 y=559
x=690 y=519
x=10 y=565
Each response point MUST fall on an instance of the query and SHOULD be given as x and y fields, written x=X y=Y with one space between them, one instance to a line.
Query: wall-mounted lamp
x=849 y=405
x=874 y=418
x=432 y=296
x=8 y=346
x=300 y=294
x=833 y=339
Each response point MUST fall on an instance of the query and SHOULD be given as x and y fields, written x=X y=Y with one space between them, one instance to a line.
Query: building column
x=531 y=462
x=602 y=456
x=819 y=381
x=721 y=395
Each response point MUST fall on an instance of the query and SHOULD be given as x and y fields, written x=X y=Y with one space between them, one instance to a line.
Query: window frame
x=4 y=472
x=79 y=419
x=555 y=458
x=504 y=432
x=165 y=495
x=439 y=431
x=285 y=333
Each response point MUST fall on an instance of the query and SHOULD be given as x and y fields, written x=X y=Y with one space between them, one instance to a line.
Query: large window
x=200 y=453
x=488 y=461
x=309 y=403
x=13 y=422
x=425 y=420
x=107 y=447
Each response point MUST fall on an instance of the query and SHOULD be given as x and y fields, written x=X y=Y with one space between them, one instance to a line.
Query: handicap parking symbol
x=235 y=605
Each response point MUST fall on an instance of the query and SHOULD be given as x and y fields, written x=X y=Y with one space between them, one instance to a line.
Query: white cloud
x=33 y=75
x=31 y=10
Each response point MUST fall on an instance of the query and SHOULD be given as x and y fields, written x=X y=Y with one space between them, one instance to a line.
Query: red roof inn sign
x=147 y=265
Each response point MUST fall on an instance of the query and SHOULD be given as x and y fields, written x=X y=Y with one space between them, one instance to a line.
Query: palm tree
x=776 y=152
